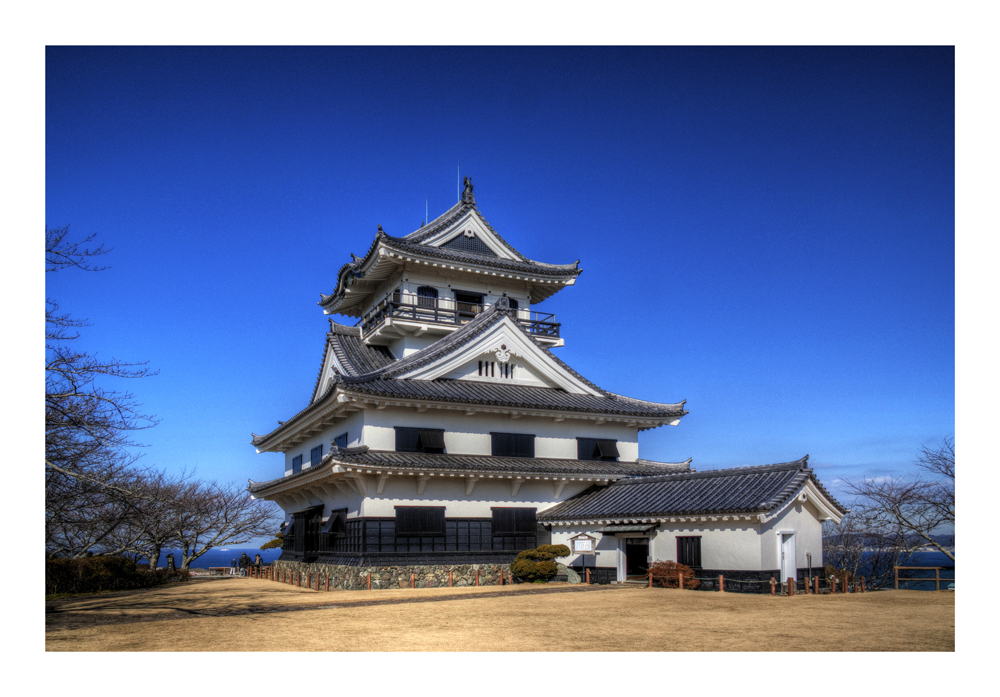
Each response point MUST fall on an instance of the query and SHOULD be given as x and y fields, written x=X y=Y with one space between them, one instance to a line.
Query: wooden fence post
x=650 y=579
x=937 y=578
x=477 y=577
x=413 y=580
x=328 y=580
x=451 y=581
x=309 y=580
x=791 y=586
x=862 y=584
x=772 y=585
x=369 y=580
x=721 y=587
x=844 y=582
x=815 y=585
x=896 y=569
x=588 y=577
x=680 y=581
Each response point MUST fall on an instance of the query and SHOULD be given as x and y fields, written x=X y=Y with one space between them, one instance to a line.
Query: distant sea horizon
x=219 y=556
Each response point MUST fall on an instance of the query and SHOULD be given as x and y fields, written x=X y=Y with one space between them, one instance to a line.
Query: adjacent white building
x=444 y=433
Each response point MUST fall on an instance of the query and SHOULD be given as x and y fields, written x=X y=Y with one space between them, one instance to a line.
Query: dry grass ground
x=253 y=615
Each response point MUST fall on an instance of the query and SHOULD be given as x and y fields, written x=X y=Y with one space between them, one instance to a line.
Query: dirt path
x=251 y=615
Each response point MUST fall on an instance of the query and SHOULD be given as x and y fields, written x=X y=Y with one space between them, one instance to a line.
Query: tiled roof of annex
x=740 y=490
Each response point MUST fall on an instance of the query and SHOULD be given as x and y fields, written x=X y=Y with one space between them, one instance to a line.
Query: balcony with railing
x=448 y=314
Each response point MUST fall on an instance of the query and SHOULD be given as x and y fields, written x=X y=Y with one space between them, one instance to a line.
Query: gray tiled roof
x=444 y=462
x=382 y=381
x=738 y=490
x=412 y=244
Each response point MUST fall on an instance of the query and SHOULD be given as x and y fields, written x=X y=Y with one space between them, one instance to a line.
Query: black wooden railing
x=446 y=311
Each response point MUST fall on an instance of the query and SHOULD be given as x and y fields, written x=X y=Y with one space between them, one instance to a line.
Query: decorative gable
x=468 y=242
x=471 y=234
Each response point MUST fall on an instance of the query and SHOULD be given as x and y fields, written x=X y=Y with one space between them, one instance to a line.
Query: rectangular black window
x=689 y=551
x=316 y=454
x=514 y=521
x=596 y=449
x=416 y=521
x=419 y=440
x=513 y=444
x=341 y=440
x=296 y=464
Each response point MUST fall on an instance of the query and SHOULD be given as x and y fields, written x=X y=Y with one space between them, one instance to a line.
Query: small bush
x=667 y=573
x=839 y=574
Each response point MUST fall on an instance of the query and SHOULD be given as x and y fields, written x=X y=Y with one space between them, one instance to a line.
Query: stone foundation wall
x=356 y=577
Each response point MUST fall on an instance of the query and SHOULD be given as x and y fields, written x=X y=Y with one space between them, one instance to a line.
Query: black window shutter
x=407 y=440
x=502 y=444
x=607 y=448
x=431 y=439
x=414 y=521
x=689 y=551
x=513 y=444
x=514 y=521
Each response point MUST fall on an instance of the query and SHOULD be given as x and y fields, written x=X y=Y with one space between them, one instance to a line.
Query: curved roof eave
x=361 y=266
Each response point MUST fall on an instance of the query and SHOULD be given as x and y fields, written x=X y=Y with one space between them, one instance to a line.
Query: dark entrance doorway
x=636 y=552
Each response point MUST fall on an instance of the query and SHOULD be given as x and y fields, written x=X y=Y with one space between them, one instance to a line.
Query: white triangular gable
x=504 y=342
x=331 y=365
x=471 y=224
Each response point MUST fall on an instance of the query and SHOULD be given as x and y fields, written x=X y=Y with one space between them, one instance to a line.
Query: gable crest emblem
x=503 y=353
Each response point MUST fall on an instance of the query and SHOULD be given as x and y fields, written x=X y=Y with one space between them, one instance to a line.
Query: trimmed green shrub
x=536 y=564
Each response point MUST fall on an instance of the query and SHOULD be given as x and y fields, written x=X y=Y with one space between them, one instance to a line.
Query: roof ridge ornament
x=467 y=196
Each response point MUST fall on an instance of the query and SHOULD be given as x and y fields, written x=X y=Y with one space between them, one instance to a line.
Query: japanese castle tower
x=443 y=434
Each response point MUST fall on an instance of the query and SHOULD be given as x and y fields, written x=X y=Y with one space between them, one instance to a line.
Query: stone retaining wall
x=356 y=577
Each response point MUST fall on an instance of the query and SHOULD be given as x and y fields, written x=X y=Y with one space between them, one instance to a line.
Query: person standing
x=232 y=568
x=244 y=564
x=257 y=562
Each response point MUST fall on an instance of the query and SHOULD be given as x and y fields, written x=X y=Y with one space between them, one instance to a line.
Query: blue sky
x=768 y=233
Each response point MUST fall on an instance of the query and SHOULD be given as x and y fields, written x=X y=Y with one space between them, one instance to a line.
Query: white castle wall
x=470 y=435
x=801 y=518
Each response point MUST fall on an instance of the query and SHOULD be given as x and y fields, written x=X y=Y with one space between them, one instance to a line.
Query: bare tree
x=859 y=547
x=914 y=509
x=211 y=515
x=90 y=471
